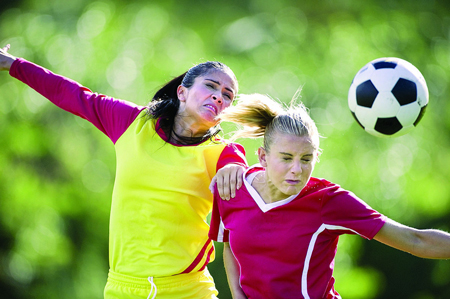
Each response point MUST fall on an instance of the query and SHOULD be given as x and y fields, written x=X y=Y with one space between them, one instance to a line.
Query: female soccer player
x=282 y=227
x=167 y=153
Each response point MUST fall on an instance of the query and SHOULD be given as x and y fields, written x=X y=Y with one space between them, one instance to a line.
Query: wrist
x=6 y=63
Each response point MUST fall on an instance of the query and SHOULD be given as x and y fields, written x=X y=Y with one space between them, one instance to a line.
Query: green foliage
x=54 y=220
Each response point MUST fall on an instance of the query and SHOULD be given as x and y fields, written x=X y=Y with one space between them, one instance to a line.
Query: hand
x=228 y=179
x=6 y=59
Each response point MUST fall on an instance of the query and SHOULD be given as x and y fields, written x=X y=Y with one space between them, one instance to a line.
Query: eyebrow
x=218 y=83
x=287 y=154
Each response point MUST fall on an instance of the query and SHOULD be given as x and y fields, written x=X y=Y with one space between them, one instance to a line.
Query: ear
x=262 y=156
x=181 y=93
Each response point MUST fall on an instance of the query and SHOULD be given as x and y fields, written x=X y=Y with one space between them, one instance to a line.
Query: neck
x=187 y=127
x=268 y=192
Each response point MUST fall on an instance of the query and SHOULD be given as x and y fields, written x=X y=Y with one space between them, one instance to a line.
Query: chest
x=146 y=162
x=285 y=230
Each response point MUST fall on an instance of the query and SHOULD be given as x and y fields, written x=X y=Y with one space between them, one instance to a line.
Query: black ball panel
x=388 y=126
x=384 y=65
x=405 y=91
x=422 y=112
x=354 y=116
x=366 y=94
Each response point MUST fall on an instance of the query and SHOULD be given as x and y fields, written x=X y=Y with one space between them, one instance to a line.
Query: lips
x=212 y=108
x=293 y=182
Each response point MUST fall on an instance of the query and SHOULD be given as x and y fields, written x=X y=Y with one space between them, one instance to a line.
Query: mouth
x=293 y=182
x=212 y=108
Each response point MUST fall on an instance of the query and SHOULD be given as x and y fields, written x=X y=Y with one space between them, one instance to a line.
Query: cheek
x=226 y=104
x=279 y=172
x=307 y=170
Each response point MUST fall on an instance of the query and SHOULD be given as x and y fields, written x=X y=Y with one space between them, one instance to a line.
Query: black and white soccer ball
x=388 y=97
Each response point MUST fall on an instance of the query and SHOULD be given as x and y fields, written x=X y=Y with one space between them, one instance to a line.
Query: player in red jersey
x=283 y=226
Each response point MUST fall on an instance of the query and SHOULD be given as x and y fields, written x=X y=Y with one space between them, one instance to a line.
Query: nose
x=296 y=168
x=217 y=98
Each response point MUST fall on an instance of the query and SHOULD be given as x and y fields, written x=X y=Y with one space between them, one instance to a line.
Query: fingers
x=223 y=185
x=228 y=180
x=6 y=48
x=239 y=174
x=233 y=185
x=212 y=184
x=235 y=180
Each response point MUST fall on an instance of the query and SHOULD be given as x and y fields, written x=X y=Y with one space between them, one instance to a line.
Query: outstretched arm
x=232 y=269
x=6 y=59
x=109 y=115
x=425 y=243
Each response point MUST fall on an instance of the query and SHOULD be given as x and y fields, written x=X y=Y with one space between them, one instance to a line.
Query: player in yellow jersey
x=167 y=153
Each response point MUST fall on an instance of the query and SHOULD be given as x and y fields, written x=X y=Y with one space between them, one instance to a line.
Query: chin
x=293 y=191
x=211 y=121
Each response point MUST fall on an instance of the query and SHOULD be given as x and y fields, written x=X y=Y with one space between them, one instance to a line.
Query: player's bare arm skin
x=6 y=59
x=425 y=243
x=232 y=269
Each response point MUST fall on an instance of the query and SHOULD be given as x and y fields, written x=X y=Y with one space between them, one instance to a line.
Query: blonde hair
x=261 y=116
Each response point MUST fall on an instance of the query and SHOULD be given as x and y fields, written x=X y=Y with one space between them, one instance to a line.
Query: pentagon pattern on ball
x=384 y=65
x=405 y=91
x=388 y=97
x=388 y=126
x=366 y=94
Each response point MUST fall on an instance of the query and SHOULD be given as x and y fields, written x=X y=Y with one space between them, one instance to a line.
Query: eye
x=306 y=160
x=228 y=96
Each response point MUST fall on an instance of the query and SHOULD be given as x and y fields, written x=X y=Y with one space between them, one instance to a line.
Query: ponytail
x=254 y=112
x=165 y=102
x=259 y=115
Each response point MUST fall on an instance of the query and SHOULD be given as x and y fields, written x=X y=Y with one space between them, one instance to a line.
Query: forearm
x=232 y=270
x=433 y=244
x=426 y=243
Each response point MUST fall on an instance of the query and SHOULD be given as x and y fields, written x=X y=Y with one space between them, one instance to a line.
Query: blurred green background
x=57 y=171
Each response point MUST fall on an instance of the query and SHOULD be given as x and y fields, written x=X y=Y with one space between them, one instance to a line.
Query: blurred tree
x=57 y=171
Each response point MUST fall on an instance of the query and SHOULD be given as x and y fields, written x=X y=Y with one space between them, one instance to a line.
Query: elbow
x=425 y=244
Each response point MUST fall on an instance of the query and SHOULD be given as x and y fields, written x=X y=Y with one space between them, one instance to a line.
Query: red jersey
x=286 y=249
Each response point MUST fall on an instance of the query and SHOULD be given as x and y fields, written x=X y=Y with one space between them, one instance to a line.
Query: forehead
x=292 y=144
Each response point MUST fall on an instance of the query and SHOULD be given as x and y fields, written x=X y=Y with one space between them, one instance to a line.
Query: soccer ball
x=388 y=97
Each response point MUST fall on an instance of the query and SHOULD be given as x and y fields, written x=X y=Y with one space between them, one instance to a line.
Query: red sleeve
x=348 y=214
x=217 y=231
x=233 y=153
x=109 y=115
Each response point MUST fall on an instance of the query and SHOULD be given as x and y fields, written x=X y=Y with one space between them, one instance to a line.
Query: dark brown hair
x=165 y=103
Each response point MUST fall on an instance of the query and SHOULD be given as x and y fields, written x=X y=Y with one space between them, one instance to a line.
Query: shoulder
x=235 y=147
x=319 y=185
x=232 y=153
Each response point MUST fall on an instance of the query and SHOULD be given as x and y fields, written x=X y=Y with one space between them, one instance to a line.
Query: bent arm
x=232 y=270
x=425 y=243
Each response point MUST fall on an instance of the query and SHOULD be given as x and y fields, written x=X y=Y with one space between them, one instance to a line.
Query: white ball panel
x=352 y=97
x=384 y=79
x=408 y=114
x=422 y=93
x=385 y=105
x=364 y=74
x=365 y=116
